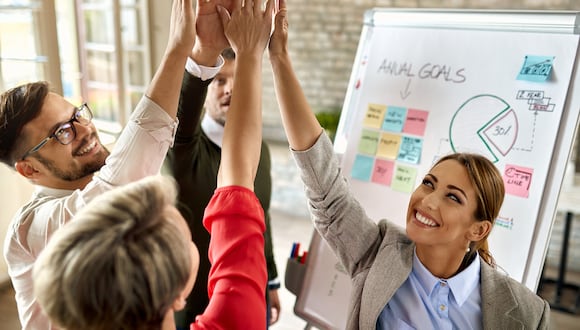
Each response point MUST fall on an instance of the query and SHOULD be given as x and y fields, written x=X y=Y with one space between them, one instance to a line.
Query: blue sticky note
x=410 y=150
x=536 y=68
x=362 y=167
x=394 y=119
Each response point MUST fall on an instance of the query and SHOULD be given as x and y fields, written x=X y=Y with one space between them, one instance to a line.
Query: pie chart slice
x=484 y=124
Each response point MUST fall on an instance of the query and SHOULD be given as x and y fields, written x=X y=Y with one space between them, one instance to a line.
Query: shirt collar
x=42 y=191
x=461 y=284
x=465 y=282
x=213 y=130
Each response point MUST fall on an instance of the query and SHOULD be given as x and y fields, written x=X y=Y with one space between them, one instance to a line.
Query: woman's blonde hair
x=119 y=264
x=489 y=190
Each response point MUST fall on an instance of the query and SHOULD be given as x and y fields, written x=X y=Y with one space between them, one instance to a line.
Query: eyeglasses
x=67 y=132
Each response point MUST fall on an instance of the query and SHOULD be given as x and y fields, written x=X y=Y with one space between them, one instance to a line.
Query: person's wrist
x=205 y=56
x=279 y=58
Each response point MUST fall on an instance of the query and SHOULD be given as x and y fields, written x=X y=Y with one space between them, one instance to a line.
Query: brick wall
x=323 y=39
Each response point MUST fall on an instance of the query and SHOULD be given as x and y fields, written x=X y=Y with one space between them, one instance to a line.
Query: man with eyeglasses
x=55 y=146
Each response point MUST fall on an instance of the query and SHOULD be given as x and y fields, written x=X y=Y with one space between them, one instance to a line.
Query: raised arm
x=248 y=30
x=210 y=41
x=165 y=85
x=301 y=126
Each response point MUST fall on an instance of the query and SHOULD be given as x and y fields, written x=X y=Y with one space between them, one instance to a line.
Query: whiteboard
x=426 y=83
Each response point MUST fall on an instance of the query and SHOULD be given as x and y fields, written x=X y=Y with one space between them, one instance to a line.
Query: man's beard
x=77 y=173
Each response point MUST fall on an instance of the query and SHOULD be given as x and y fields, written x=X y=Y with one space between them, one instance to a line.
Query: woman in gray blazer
x=435 y=274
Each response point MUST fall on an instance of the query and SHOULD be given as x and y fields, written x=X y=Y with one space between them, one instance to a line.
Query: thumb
x=224 y=15
x=280 y=19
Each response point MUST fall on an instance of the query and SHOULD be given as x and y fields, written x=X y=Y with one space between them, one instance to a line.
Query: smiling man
x=55 y=146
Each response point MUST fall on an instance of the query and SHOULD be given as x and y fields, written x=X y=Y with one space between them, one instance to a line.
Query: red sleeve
x=238 y=276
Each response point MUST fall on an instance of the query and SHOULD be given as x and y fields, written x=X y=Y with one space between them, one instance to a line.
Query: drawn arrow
x=407 y=92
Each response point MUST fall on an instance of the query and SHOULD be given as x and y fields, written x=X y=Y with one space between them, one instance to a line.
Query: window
x=115 y=55
x=92 y=50
x=28 y=43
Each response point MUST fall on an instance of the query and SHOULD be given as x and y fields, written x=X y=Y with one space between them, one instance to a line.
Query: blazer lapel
x=497 y=301
x=391 y=268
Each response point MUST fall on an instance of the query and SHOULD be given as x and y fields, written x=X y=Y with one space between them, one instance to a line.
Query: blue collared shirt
x=427 y=302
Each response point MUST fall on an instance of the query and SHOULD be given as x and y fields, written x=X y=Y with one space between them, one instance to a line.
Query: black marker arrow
x=406 y=93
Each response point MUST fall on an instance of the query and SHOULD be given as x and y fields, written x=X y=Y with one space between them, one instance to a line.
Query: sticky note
x=410 y=150
x=517 y=180
x=368 y=142
x=394 y=119
x=383 y=172
x=362 y=167
x=389 y=145
x=374 y=115
x=404 y=178
x=536 y=68
x=416 y=122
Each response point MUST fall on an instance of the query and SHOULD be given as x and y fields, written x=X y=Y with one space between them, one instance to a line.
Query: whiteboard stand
x=569 y=203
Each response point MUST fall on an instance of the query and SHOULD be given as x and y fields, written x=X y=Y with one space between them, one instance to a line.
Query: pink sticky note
x=416 y=122
x=517 y=180
x=383 y=172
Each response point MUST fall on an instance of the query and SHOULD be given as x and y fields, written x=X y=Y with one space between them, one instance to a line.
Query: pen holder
x=294 y=275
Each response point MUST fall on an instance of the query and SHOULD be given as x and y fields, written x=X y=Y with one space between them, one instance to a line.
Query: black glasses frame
x=58 y=133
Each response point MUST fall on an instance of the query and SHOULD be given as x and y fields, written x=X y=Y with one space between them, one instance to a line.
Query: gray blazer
x=379 y=257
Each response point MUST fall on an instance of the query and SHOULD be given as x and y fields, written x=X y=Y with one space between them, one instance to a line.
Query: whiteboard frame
x=559 y=22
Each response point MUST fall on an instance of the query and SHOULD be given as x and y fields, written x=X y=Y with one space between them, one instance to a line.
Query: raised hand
x=301 y=126
x=181 y=28
x=248 y=27
x=279 y=40
x=165 y=85
x=211 y=40
x=248 y=30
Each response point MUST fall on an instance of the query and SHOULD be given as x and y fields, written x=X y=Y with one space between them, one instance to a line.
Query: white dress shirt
x=139 y=152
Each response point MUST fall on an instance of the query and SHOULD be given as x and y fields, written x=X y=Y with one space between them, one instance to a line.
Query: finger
x=187 y=6
x=275 y=315
x=257 y=7
x=235 y=5
x=248 y=5
x=281 y=5
x=224 y=15
x=269 y=8
x=280 y=18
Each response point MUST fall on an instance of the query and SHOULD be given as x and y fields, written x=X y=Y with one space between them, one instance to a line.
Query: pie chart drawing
x=484 y=124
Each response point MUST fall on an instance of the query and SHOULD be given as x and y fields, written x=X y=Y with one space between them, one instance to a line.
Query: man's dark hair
x=18 y=106
x=229 y=54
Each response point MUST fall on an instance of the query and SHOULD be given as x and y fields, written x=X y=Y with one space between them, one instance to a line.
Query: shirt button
x=443 y=284
x=442 y=307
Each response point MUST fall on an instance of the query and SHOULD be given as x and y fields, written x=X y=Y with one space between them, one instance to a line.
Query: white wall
x=14 y=192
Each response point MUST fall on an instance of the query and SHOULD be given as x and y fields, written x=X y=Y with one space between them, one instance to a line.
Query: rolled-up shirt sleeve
x=142 y=146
